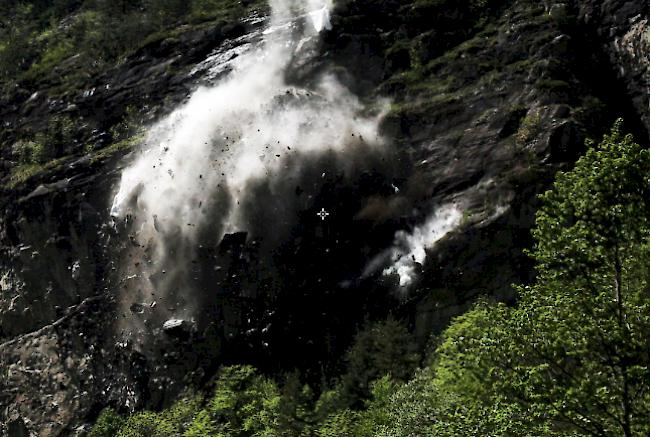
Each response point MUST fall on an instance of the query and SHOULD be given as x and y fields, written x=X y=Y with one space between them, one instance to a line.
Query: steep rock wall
x=482 y=117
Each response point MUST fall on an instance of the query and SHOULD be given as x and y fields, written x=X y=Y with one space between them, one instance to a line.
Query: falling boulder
x=178 y=327
x=233 y=244
x=137 y=308
x=173 y=324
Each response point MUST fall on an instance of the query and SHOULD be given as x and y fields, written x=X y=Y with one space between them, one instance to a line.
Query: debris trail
x=196 y=165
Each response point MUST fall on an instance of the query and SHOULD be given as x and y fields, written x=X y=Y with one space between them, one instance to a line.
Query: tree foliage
x=572 y=357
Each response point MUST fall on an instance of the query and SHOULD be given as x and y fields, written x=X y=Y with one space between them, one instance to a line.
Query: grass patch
x=116 y=148
x=42 y=40
x=22 y=173
x=210 y=10
x=553 y=86
x=52 y=57
x=529 y=129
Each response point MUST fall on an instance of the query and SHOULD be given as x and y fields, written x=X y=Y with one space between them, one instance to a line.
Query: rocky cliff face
x=622 y=28
x=486 y=107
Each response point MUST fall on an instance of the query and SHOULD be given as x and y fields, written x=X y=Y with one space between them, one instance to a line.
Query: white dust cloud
x=197 y=164
x=409 y=249
x=241 y=129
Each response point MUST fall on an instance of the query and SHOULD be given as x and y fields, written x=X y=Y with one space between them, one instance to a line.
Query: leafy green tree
x=340 y=424
x=170 y=422
x=463 y=392
x=381 y=348
x=296 y=410
x=572 y=357
x=586 y=321
x=140 y=425
x=244 y=404
x=108 y=424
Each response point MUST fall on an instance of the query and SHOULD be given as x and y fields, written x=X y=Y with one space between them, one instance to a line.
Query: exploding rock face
x=228 y=164
x=310 y=169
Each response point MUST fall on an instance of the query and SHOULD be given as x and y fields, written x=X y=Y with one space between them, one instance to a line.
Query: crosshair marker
x=323 y=214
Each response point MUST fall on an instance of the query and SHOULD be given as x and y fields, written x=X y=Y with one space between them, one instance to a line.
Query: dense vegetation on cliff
x=59 y=50
x=570 y=358
x=38 y=36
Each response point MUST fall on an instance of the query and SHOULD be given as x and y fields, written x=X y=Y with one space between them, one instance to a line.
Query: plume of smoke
x=233 y=132
x=410 y=249
x=320 y=17
x=197 y=163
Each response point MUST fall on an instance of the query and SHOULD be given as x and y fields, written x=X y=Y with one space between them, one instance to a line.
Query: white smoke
x=241 y=129
x=410 y=249
x=321 y=18
x=247 y=127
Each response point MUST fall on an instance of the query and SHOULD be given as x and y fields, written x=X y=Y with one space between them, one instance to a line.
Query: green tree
x=586 y=320
x=108 y=424
x=244 y=404
x=572 y=357
x=381 y=348
x=296 y=410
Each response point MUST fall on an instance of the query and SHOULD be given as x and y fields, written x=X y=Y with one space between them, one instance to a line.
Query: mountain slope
x=488 y=101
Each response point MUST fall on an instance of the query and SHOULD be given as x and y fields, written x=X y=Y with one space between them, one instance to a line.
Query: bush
x=529 y=129
x=59 y=138
x=51 y=57
x=29 y=152
x=108 y=424
x=558 y=88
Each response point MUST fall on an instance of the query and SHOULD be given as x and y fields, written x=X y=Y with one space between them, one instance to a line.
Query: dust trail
x=409 y=249
x=197 y=164
x=477 y=206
